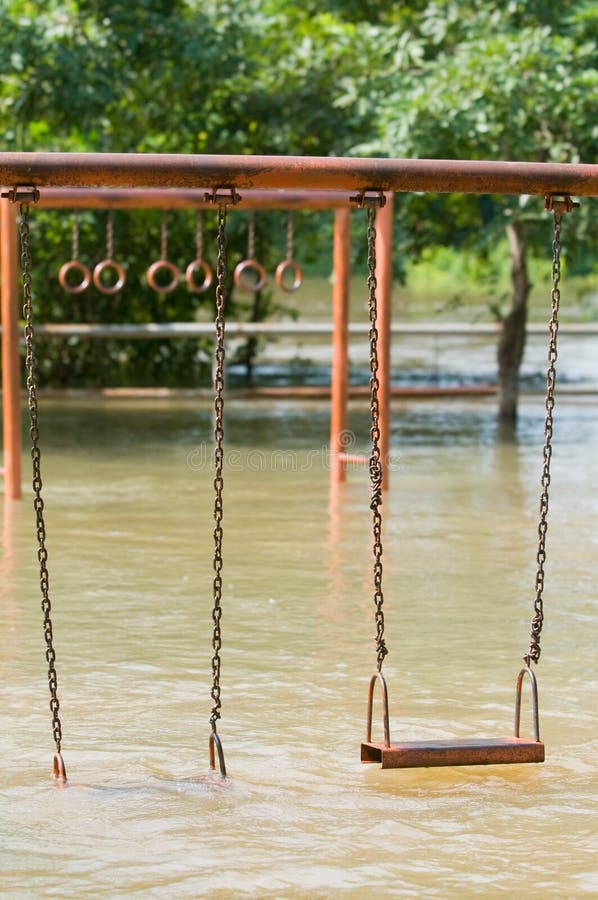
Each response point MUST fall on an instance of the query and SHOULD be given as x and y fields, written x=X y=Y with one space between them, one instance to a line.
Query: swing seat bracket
x=459 y=752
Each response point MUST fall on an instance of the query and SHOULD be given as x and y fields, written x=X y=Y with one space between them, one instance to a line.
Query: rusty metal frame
x=152 y=170
x=169 y=181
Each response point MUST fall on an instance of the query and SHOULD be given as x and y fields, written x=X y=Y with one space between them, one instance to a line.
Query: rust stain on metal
x=296 y=173
x=466 y=752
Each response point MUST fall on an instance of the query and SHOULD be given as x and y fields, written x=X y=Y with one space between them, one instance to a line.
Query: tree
x=479 y=81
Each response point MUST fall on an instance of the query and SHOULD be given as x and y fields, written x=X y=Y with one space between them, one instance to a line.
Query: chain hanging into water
x=38 y=503
x=375 y=464
x=558 y=207
x=218 y=459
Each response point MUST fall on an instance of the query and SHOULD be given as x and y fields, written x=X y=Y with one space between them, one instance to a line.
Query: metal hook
x=378 y=676
x=216 y=744
x=534 y=686
x=559 y=203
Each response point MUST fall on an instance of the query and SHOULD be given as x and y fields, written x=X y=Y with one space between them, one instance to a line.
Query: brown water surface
x=129 y=513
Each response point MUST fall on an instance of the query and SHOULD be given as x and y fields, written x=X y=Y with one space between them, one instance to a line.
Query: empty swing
x=474 y=751
x=25 y=196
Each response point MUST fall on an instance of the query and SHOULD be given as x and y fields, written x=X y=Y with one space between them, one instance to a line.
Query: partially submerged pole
x=339 y=380
x=11 y=382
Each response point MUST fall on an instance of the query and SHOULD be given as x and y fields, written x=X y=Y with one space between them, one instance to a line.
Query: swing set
x=225 y=176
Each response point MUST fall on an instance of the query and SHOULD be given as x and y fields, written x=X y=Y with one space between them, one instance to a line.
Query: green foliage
x=467 y=79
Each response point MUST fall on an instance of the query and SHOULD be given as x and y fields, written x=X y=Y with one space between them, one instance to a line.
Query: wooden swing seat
x=463 y=752
x=460 y=752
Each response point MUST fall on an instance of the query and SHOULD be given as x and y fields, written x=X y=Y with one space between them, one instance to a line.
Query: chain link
x=218 y=460
x=110 y=235
x=75 y=242
x=290 y=235
x=533 y=654
x=199 y=234
x=38 y=503
x=164 y=237
x=251 y=236
x=375 y=464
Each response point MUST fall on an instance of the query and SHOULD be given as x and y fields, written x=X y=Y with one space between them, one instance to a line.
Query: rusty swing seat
x=459 y=752
x=464 y=751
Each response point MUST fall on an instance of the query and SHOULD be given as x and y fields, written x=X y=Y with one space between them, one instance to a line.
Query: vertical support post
x=11 y=383
x=339 y=387
x=384 y=219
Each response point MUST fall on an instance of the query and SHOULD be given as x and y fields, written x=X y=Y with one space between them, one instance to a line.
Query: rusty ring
x=118 y=284
x=70 y=266
x=282 y=268
x=163 y=288
x=256 y=267
x=194 y=266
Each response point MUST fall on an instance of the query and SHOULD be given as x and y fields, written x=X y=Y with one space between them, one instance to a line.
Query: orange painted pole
x=384 y=217
x=11 y=382
x=340 y=343
x=328 y=173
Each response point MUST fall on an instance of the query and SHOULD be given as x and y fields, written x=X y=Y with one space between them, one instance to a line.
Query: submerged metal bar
x=296 y=173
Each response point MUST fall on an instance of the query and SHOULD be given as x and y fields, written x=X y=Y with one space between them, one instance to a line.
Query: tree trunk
x=512 y=339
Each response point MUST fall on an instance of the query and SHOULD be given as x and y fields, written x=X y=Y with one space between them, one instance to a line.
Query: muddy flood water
x=128 y=491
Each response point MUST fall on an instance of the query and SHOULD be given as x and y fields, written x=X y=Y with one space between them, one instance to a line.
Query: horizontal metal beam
x=295 y=173
x=288 y=329
x=185 y=198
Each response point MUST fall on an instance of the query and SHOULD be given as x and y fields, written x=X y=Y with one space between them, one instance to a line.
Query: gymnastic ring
x=170 y=286
x=282 y=268
x=198 y=265
x=250 y=265
x=120 y=273
x=73 y=265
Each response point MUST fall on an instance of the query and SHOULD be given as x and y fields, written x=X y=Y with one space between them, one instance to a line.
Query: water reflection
x=130 y=544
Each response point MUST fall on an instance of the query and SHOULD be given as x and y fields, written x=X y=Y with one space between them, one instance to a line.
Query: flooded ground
x=129 y=507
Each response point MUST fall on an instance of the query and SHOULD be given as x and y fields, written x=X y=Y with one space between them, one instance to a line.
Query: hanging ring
x=58 y=769
x=101 y=267
x=216 y=744
x=250 y=265
x=534 y=686
x=73 y=265
x=385 y=717
x=289 y=265
x=198 y=265
x=170 y=286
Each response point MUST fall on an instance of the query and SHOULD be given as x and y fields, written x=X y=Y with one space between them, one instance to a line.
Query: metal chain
x=75 y=242
x=251 y=236
x=110 y=236
x=199 y=235
x=38 y=503
x=375 y=464
x=164 y=237
x=533 y=654
x=218 y=460
x=290 y=235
